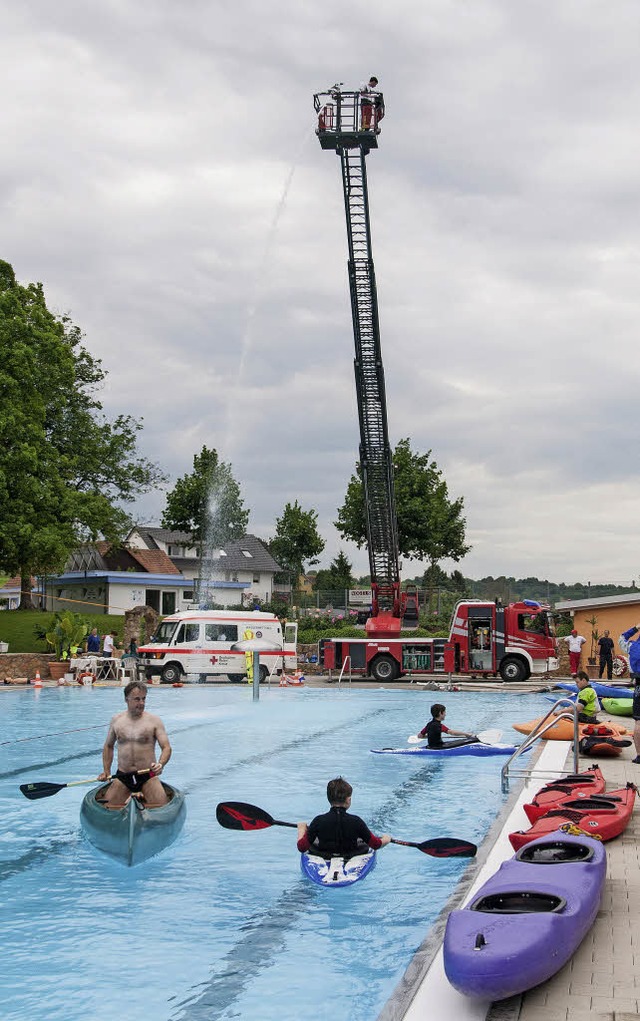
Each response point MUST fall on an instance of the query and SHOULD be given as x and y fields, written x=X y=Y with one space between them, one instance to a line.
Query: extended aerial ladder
x=348 y=124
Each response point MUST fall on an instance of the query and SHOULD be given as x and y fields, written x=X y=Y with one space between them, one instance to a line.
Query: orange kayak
x=563 y=729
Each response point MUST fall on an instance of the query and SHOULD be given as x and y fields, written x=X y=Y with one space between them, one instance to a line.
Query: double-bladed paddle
x=35 y=791
x=237 y=815
x=485 y=736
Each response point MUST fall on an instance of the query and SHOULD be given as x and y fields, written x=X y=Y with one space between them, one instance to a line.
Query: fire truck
x=485 y=638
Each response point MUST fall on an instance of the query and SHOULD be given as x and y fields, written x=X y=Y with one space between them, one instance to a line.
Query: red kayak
x=600 y=815
x=589 y=782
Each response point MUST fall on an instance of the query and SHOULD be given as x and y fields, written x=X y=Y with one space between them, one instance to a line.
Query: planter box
x=4 y=647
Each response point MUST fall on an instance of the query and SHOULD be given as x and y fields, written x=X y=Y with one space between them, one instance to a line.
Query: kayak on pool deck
x=602 y=815
x=337 y=871
x=602 y=690
x=528 y=919
x=475 y=748
x=548 y=797
x=563 y=729
x=618 y=706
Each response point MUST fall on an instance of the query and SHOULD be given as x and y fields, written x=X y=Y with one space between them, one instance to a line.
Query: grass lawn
x=17 y=628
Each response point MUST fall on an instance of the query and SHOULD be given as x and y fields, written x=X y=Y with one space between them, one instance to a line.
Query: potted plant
x=65 y=638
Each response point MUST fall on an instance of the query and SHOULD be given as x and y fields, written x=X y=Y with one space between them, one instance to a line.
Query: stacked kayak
x=135 y=832
x=562 y=730
x=599 y=739
x=477 y=748
x=337 y=871
x=526 y=922
x=602 y=815
x=576 y=785
x=602 y=690
x=618 y=706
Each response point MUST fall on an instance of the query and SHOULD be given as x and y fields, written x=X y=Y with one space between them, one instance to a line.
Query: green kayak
x=617 y=706
x=132 y=833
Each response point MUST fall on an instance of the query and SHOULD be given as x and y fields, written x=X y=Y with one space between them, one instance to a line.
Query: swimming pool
x=222 y=925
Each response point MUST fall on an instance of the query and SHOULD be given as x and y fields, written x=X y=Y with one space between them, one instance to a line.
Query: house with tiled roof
x=241 y=571
x=10 y=593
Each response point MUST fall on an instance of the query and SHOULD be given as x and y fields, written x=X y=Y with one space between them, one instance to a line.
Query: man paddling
x=136 y=733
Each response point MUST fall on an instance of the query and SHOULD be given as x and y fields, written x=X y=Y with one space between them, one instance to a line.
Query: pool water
x=222 y=924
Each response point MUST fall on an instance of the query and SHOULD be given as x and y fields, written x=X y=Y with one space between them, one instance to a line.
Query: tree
x=296 y=540
x=207 y=502
x=337 y=576
x=63 y=465
x=430 y=525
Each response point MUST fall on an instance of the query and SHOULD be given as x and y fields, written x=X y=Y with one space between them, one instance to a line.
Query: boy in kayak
x=587 y=699
x=337 y=834
x=435 y=728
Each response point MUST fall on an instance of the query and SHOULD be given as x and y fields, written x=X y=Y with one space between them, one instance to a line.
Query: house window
x=256 y=579
x=187 y=595
x=168 y=603
x=245 y=553
x=223 y=553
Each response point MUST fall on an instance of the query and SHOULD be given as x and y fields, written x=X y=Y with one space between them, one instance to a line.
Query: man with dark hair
x=337 y=834
x=435 y=728
x=605 y=651
x=136 y=733
x=370 y=98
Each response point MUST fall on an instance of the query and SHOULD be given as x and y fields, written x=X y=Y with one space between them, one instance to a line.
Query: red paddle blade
x=448 y=847
x=236 y=815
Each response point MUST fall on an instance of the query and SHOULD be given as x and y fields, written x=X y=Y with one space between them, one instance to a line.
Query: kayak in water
x=337 y=871
x=455 y=748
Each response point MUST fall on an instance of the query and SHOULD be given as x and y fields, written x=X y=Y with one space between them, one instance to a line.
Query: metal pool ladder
x=538 y=732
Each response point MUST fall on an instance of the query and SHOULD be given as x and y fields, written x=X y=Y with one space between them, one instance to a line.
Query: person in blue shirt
x=93 y=641
x=632 y=650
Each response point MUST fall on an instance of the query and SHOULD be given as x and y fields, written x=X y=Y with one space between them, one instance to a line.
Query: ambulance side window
x=187 y=633
x=221 y=632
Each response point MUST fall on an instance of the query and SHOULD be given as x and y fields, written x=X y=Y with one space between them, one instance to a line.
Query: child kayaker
x=435 y=728
x=337 y=834
x=587 y=699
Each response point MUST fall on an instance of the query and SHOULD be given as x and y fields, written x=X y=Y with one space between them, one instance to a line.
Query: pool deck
x=602 y=980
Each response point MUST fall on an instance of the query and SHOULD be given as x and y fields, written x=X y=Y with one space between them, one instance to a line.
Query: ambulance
x=207 y=643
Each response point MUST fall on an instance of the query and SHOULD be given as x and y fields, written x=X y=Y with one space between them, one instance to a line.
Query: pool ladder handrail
x=347 y=659
x=537 y=733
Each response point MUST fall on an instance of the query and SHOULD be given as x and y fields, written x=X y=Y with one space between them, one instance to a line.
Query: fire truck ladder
x=339 y=128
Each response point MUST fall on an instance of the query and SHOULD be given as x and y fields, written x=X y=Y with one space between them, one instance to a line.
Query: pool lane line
x=259 y=757
x=55 y=733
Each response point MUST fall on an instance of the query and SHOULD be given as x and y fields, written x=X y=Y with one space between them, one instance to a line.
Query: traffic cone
x=37 y=681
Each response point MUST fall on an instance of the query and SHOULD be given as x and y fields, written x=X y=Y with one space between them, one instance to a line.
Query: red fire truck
x=485 y=639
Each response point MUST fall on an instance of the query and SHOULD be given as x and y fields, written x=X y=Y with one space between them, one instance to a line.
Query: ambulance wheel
x=264 y=674
x=384 y=669
x=171 y=673
x=236 y=678
x=512 y=669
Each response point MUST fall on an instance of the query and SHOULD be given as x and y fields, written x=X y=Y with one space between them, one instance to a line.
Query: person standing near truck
x=605 y=652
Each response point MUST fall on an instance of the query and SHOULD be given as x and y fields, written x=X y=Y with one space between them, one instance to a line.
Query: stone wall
x=25 y=664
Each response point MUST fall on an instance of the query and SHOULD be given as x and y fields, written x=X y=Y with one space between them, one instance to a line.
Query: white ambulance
x=210 y=642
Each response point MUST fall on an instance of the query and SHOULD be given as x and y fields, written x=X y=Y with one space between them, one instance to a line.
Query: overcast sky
x=161 y=176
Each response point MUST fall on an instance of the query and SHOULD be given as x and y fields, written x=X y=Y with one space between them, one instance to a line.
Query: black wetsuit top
x=433 y=733
x=336 y=834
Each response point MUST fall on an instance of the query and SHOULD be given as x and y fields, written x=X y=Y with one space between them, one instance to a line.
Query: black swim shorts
x=132 y=781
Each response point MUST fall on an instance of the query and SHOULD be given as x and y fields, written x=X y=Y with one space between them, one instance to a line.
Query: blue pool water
x=222 y=924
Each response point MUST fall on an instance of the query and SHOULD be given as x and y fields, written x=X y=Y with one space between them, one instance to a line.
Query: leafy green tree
x=336 y=577
x=207 y=502
x=296 y=541
x=63 y=465
x=430 y=525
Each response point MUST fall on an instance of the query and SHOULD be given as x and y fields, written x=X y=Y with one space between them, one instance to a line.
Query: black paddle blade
x=237 y=815
x=34 y=791
x=448 y=847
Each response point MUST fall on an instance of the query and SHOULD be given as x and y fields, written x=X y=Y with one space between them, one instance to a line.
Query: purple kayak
x=526 y=922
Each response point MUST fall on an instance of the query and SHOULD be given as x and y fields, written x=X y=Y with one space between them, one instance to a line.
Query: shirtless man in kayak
x=136 y=733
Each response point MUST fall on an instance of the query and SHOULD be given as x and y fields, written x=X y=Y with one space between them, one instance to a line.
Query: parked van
x=205 y=643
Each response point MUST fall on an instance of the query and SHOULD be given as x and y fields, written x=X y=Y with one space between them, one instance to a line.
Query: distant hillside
x=511 y=589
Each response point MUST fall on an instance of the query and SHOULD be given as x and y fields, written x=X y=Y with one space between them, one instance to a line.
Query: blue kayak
x=337 y=871
x=602 y=690
x=477 y=748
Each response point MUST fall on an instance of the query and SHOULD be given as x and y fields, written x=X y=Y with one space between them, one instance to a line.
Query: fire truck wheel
x=171 y=673
x=512 y=669
x=384 y=669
